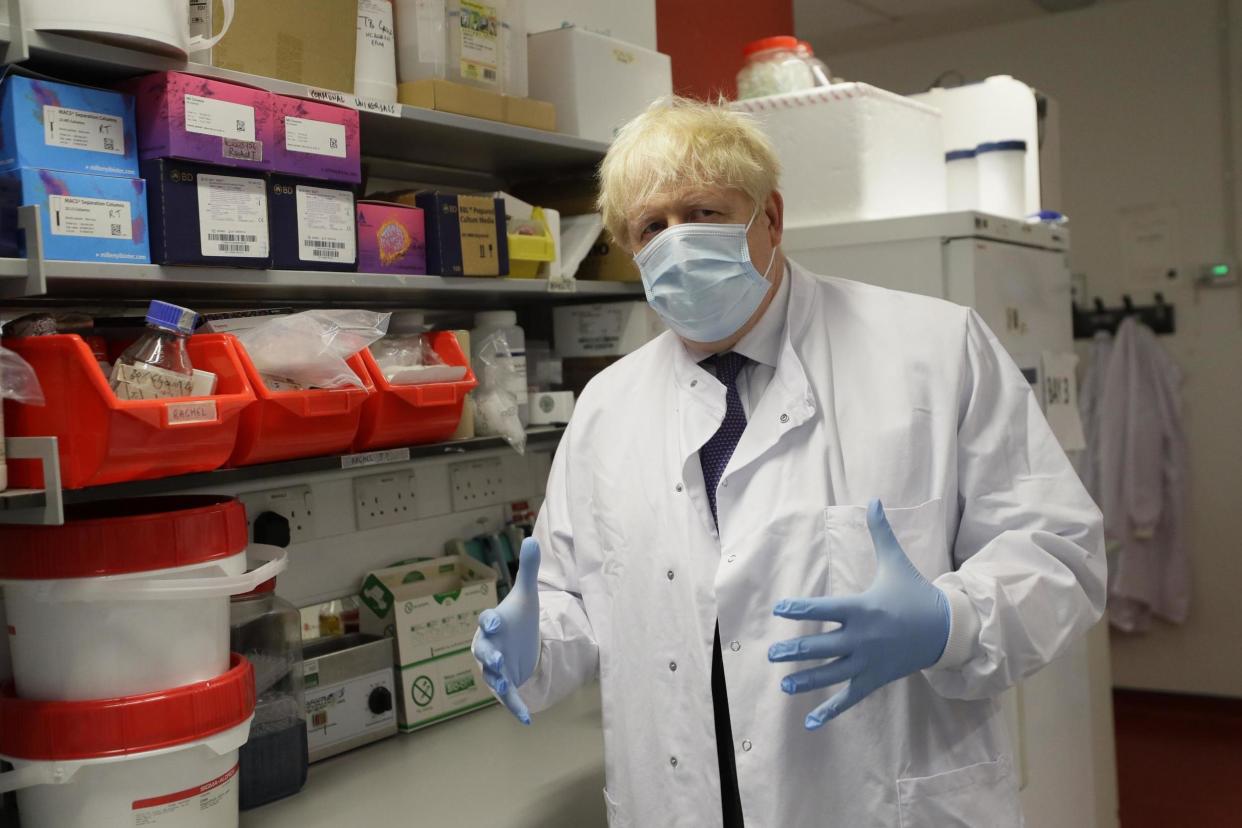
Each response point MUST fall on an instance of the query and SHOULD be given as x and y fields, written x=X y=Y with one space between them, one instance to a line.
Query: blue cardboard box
x=207 y=215
x=59 y=126
x=85 y=218
x=466 y=234
x=313 y=225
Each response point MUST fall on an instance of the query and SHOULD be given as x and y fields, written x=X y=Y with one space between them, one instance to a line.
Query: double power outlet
x=293 y=503
x=405 y=495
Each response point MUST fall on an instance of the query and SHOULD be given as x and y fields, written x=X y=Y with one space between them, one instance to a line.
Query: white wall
x=1140 y=91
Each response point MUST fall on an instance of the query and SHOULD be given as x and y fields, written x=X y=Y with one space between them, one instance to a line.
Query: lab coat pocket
x=976 y=795
x=851 y=552
x=615 y=818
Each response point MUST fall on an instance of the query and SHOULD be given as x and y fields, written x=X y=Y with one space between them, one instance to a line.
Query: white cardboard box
x=633 y=21
x=852 y=152
x=597 y=83
x=604 y=328
x=432 y=609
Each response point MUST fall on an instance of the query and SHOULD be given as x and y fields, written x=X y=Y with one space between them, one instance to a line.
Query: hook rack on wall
x=1088 y=322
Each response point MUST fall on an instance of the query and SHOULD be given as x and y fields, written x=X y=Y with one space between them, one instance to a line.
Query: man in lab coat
x=804 y=538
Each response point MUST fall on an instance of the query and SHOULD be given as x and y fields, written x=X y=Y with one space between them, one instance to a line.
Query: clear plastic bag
x=18 y=380
x=410 y=360
x=495 y=407
x=309 y=349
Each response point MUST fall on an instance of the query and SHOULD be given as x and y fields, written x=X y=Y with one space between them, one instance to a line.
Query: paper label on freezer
x=314 y=137
x=232 y=216
x=479 y=30
x=96 y=218
x=208 y=116
x=147 y=382
x=326 y=231
x=1060 y=398
x=78 y=129
x=192 y=807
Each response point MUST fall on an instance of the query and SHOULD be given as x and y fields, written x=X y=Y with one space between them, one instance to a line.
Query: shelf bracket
x=35 y=283
x=18 y=49
x=45 y=450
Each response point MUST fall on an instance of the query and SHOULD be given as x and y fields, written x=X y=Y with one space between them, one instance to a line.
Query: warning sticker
x=185 y=809
x=96 y=218
x=78 y=129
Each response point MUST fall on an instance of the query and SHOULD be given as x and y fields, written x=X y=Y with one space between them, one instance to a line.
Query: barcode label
x=232 y=215
x=233 y=248
x=330 y=244
x=326 y=224
x=232 y=237
x=489 y=74
x=319 y=719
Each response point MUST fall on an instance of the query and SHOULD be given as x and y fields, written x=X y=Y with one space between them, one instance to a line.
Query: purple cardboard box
x=316 y=140
x=200 y=119
x=391 y=238
x=312 y=225
x=203 y=215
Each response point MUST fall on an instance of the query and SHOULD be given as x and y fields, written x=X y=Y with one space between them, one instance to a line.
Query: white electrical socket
x=385 y=499
x=477 y=483
x=294 y=503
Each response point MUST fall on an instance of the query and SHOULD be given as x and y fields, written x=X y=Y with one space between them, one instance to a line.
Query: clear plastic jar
x=819 y=69
x=267 y=630
x=773 y=66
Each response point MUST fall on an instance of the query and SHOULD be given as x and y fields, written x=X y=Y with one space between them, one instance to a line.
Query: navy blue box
x=313 y=225
x=206 y=215
x=466 y=235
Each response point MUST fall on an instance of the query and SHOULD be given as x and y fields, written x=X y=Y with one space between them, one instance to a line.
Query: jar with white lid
x=773 y=66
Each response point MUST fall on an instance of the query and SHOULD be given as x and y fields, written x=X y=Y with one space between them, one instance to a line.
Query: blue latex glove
x=507 y=646
x=898 y=626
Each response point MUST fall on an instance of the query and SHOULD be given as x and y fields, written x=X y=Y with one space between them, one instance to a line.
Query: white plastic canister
x=153 y=25
x=126 y=597
x=962 y=176
x=1002 y=178
x=375 y=64
x=167 y=759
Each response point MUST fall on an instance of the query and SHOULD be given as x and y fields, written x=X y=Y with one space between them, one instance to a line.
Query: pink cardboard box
x=391 y=238
x=199 y=119
x=317 y=140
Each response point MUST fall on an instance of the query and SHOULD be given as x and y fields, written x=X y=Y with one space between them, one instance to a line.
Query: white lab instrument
x=875 y=394
x=962 y=177
x=375 y=60
x=1001 y=167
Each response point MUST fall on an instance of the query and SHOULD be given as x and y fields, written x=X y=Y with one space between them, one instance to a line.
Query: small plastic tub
x=407 y=415
x=127 y=597
x=103 y=439
x=167 y=758
x=286 y=425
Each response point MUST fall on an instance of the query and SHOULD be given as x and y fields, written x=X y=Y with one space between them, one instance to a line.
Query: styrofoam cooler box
x=852 y=152
x=596 y=83
x=633 y=21
x=997 y=109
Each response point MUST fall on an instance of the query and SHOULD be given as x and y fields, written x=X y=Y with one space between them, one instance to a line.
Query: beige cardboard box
x=431 y=608
x=301 y=41
x=529 y=112
x=604 y=329
x=446 y=96
x=608 y=262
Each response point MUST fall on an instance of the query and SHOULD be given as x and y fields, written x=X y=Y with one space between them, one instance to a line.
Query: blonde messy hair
x=678 y=143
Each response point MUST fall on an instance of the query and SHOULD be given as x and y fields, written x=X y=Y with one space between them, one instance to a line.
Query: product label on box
x=208 y=116
x=237 y=150
x=147 y=382
x=188 y=808
x=232 y=216
x=200 y=19
x=78 y=129
x=476 y=216
x=96 y=218
x=479 y=30
x=325 y=225
x=314 y=137
x=340 y=712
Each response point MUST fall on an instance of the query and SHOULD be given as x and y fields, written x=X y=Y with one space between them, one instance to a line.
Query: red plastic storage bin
x=286 y=425
x=406 y=415
x=103 y=439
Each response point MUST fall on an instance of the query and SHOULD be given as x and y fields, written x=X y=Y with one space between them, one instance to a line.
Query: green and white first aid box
x=431 y=610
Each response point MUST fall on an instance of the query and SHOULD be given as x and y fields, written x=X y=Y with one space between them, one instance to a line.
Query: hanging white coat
x=876 y=394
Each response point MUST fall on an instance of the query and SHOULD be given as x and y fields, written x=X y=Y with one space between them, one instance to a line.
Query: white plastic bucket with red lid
x=127 y=597
x=166 y=759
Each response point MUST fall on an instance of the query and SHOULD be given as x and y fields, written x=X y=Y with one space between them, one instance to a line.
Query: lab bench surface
x=481 y=769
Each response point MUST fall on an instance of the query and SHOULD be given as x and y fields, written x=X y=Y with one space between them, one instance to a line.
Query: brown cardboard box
x=301 y=41
x=529 y=112
x=608 y=262
x=446 y=96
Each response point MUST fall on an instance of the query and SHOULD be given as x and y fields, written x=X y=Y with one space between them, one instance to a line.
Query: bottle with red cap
x=773 y=66
x=267 y=630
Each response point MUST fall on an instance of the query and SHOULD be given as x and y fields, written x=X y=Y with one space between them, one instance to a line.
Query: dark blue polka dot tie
x=715 y=454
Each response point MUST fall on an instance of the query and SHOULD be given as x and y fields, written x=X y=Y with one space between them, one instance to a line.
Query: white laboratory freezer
x=1016 y=275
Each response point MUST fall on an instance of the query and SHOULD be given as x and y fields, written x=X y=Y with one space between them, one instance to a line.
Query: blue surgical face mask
x=699 y=278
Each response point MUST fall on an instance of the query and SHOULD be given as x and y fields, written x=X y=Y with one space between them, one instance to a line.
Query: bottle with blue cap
x=158 y=365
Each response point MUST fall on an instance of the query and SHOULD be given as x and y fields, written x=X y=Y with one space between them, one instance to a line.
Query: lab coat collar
x=763 y=343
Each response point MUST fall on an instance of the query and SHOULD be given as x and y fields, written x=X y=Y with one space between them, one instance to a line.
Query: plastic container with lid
x=1002 y=178
x=158 y=364
x=819 y=69
x=773 y=66
x=127 y=597
x=962 y=179
x=167 y=758
x=267 y=630
x=487 y=323
x=375 y=64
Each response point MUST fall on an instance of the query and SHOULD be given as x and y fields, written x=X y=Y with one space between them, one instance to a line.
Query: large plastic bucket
x=154 y=25
x=165 y=759
x=124 y=633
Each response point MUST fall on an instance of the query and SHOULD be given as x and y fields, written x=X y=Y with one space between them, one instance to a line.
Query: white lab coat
x=1142 y=480
x=876 y=394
